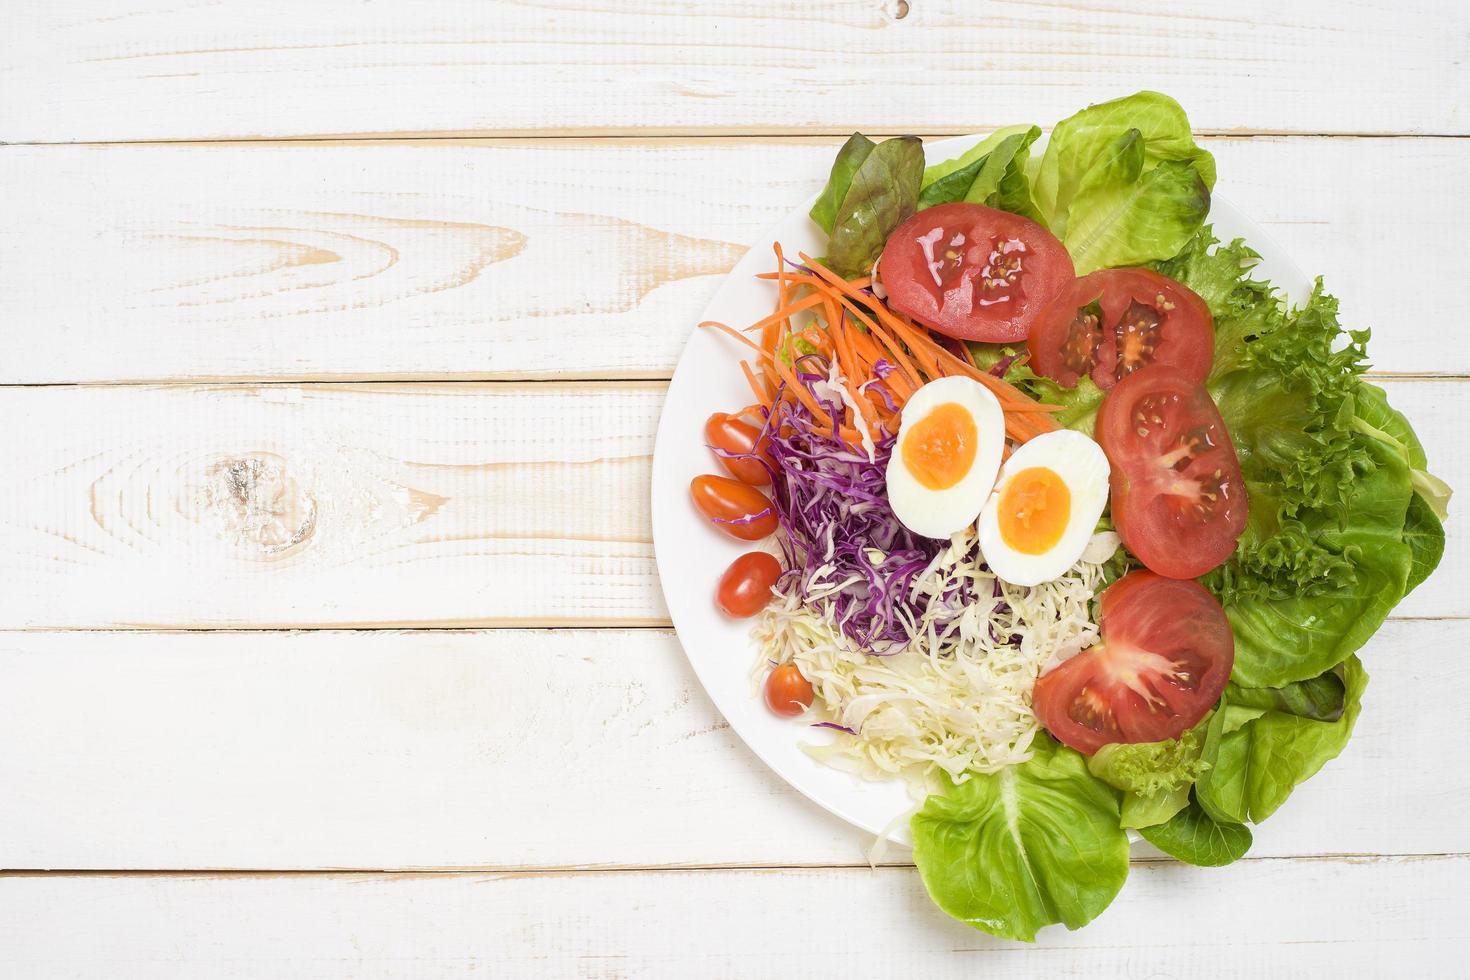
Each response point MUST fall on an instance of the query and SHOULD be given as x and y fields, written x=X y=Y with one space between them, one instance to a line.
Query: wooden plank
x=347 y=505
x=526 y=749
x=157 y=71
x=554 y=259
x=1383 y=917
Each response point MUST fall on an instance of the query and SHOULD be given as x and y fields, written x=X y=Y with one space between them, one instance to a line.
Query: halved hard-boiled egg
x=1045 y=507
x=950 y=440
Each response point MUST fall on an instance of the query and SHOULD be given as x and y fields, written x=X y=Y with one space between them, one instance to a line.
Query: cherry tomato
x=973 y=272
x=1165 y=655
x=736 y=508
x=788 y=693
x=1178 y=498
x=730 y=434
x=1146 y=319
x=745 y=588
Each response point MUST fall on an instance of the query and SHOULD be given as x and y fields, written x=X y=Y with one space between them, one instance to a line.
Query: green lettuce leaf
x=1193 y=837
x=1255 y=765
x=1034 y=844
x=1380 y=420
x=1326 y=553
x=883 y=190
x=1154 y=777
x=996 y=178
x=1424 y=534
x=1322 y=698
x=1123 y=182
x=973 y=155
x=1287 y=636
x=1079 y=405
x=844 y=168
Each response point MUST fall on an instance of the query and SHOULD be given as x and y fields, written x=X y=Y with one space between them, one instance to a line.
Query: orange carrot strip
x=732 y=332
x=808 y=279
x=762 y=394
x=846 y=361
x=786 y=311
x=796 y=388
x=895 y=350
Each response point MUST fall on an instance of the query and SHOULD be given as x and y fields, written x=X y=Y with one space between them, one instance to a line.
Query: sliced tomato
x=973 y=272
x=1178 y=498
x=1165 y=655
x=1145 y=319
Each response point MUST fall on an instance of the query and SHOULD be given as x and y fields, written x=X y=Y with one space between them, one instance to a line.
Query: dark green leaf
x=849 y=159
x=1194 y=838
x=1320 y=698
x=996 y=179
x=883 y=193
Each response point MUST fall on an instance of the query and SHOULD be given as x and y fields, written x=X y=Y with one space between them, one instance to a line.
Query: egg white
x=940 y=513
x=1084 y=469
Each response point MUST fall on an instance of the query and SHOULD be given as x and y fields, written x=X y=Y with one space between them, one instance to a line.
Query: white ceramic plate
x=692 y=554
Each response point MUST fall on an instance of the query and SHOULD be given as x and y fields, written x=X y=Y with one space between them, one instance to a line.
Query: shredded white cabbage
x=958 y=699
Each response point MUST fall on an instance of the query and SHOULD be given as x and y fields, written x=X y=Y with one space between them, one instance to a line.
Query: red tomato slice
x=1165 y=655
x=973 y=272
x=1146 y=319
x=1178 y=498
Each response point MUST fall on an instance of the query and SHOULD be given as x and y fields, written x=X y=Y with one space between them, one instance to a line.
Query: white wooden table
x=334 y=338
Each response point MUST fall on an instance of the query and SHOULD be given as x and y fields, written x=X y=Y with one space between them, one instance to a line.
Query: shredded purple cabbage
x=833 y=724
x=1000 y=367
x=832 y=503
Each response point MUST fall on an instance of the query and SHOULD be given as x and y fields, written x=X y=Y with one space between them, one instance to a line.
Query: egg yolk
x=940 y=448
x=1033 y=510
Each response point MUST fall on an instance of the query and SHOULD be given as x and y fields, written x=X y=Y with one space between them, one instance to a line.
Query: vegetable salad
x=1065 y=518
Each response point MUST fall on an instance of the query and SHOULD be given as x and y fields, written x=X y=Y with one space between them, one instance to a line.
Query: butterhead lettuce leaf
x=1034 y=844
x=1123 y=182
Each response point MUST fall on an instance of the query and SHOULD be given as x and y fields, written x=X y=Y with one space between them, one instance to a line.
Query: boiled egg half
x=950 y=439
x=1045 y=507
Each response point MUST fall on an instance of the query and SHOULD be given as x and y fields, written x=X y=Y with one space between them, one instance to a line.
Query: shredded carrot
x=786 y=311
x=933 y=355
x=732 y=332
x=761 y=392
x=859 y=332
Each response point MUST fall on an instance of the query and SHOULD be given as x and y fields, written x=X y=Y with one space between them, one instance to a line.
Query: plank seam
x=597 y=871
x=657 y=133
x=466 y=626
x=570 y=380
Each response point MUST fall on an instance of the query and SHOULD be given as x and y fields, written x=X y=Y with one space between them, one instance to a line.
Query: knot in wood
x=256 y=504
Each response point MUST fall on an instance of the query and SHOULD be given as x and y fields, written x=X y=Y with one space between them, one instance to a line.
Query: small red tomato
x=729 y=434
x=745 y=588
x=788 y=694
x=736 y=508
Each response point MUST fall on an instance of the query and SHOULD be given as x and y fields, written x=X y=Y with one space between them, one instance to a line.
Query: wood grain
x=158 y=70
x=1380 y=917
x=392 y=504
x=554 y=259
x=530 y=749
